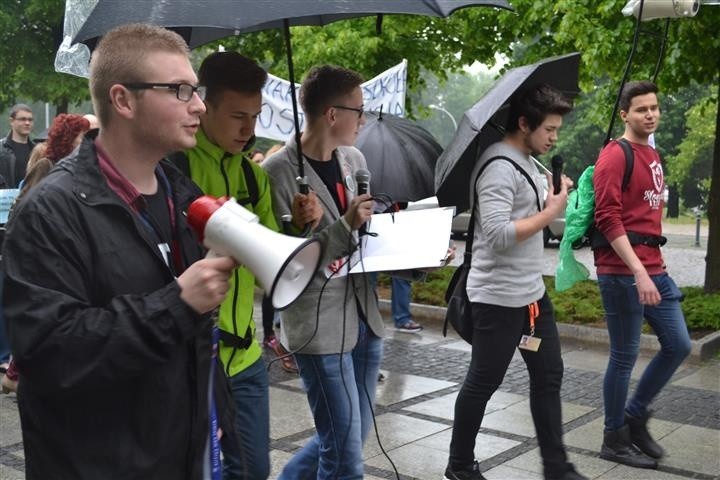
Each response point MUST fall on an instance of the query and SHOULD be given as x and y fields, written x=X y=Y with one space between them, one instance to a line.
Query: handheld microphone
x=557 y=169
x=362 y=179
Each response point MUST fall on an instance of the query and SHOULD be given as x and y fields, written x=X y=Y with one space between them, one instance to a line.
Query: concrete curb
x=702 y=349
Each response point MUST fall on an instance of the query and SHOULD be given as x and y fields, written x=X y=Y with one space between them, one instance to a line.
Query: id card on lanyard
x=531 y=342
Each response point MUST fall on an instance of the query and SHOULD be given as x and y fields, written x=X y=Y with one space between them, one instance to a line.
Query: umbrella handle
x=304 y=188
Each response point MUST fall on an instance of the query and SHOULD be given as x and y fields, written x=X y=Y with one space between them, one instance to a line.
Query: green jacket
x=218 y=175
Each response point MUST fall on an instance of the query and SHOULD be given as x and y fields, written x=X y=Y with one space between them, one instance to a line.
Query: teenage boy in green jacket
x=221 y=166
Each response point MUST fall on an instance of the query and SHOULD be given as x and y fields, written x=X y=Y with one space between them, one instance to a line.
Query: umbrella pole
x=608 y=137
x=302 y=181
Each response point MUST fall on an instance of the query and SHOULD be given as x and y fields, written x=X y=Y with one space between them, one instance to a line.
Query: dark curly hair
x=535 y=104
x=62 y=134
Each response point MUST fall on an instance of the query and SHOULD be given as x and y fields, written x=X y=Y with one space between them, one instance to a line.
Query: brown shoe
x=287 y=361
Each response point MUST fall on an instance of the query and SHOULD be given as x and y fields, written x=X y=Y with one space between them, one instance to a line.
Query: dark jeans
x=497 y=332
x=251 y=459
x=624 y=316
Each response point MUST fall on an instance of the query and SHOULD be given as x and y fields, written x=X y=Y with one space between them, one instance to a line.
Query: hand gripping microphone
x=557 y=169
x=362 y=179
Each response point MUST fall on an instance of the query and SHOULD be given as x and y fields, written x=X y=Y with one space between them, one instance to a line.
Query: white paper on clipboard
x=405 y=240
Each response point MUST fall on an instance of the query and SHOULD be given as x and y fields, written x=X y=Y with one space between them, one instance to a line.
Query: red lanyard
x=533 y=313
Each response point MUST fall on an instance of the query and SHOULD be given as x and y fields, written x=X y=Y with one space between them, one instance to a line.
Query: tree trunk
x=712 y=260
x=673 y=205
x=61 y=106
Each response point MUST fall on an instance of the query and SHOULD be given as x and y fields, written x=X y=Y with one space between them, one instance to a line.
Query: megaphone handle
x=214 y=254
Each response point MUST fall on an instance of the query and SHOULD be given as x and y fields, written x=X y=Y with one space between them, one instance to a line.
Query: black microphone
x=362 y=179
x=557 y=169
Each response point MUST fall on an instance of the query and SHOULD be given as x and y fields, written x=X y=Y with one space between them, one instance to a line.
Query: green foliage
x=693 y=162
x=701 y=310
x=578 y=305
x=456 y=94
x=30 y=32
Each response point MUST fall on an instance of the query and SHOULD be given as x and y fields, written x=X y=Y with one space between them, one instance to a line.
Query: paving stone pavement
x=415 y=409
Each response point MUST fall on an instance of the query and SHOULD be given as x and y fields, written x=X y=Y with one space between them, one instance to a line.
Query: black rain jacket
x=114 y=366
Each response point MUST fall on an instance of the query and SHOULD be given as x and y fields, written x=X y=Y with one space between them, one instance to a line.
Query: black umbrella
x=213 y=19
x=484 y=123
x=401 y=157
x=201 y=21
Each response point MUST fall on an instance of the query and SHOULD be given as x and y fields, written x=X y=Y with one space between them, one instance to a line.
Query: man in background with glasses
x=107 y=295
x=16 y=147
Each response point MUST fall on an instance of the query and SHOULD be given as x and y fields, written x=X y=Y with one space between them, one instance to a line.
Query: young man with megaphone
x=221 y=166
x=107 y=296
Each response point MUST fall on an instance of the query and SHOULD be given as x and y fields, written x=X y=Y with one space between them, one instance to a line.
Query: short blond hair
x=120 y=58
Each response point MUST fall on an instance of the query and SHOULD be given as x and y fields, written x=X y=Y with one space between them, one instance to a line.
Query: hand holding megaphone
x=204 y=284
x=283 y=265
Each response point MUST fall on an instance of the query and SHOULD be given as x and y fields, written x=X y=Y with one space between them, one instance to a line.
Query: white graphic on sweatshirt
x=655 y=197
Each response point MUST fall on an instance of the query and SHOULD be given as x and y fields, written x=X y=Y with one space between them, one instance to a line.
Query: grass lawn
x=579 y=305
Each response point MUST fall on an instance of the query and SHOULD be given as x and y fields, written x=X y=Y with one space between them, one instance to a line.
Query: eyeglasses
x=24 y=119
x=183 y=91
x=360 y=111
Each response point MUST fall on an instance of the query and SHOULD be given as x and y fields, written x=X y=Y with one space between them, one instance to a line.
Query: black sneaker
x=468 y=473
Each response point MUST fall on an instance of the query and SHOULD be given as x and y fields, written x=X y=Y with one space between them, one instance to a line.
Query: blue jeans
x=400 y=301
x=624 y=316
x=341 y=393
x=251 y=459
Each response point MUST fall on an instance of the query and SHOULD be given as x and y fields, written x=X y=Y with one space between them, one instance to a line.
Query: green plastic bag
x=579 y=216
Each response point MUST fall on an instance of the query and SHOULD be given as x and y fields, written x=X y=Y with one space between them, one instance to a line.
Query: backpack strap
x=629 y=161
x=471 y=229
x=180 y=159
x=251 y=183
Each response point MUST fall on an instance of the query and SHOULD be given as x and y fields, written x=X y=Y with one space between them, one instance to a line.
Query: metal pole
x=698 y=220
x=452 y=119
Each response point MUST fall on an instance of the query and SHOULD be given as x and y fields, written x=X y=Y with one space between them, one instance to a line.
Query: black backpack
x=594 y=238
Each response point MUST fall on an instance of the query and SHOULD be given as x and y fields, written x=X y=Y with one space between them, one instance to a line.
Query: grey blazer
x=328 y=321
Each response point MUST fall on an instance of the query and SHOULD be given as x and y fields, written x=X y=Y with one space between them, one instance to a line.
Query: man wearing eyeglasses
x=16 y=147
x=335 y=325
x=107 y=293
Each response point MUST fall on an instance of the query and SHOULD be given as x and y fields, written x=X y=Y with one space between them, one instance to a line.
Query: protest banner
x=386 y=91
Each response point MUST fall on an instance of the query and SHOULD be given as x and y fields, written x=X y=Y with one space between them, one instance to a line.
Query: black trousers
x=497 y=332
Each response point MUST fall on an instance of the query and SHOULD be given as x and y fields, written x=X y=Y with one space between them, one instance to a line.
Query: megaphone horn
x=283 y=265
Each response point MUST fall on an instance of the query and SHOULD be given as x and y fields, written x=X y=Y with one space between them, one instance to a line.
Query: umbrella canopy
x=484 y=123
x=201 y=21
x=401 y=157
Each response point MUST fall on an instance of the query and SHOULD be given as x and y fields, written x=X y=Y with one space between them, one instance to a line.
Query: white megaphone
x=652 y=9
x=283 y=265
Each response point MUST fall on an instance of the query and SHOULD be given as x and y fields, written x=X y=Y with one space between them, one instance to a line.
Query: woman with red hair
x=64 y=135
